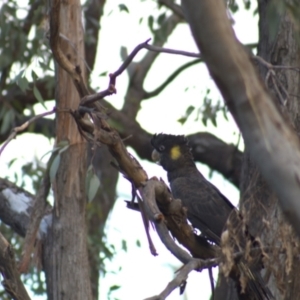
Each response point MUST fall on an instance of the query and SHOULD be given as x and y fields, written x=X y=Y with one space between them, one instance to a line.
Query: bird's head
x=171 y=151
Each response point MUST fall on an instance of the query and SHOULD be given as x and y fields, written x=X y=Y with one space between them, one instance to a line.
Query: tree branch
x=175 y=8
x=21 y=128
x=168 y=214
x=38 y=212
x=139 y=71
x=159 y=89
x=93 y=15
x=219 y=156
x=16 y=205
x=12 y=282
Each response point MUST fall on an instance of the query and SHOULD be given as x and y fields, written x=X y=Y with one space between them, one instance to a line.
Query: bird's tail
x=254 y=284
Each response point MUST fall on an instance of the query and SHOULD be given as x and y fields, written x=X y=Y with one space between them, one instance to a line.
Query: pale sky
x=142 y=275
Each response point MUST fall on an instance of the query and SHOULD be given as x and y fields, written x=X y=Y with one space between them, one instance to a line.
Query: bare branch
x=12 y=282
x=170 y=79
x=172 y=51
x=167 y=28
x=18 y=129
x=15 y=206
x=38 y=212
x=112 y=82
x=139 y=71
x=173 y=7
x=271 y=67
x=168 y=214
x=93 y=15
x=179 y=279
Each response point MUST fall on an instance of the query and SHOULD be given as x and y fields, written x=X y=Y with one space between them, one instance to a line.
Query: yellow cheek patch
x=175 y=152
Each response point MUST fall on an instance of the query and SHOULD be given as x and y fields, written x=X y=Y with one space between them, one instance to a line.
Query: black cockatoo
x=207 y=208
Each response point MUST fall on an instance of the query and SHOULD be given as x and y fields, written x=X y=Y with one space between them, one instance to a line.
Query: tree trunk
x=65 y=250
x=260 y=204
x=99 y=209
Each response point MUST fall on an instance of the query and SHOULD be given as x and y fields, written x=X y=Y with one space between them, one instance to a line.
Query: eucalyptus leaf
x=38 y=96
x=54 y=167
x=123 y=7
x=93 y=186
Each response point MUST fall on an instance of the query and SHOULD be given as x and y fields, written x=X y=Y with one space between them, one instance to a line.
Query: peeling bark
x=65 y=256
x=259 y=200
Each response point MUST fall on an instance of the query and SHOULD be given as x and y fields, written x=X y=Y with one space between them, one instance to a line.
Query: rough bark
x=272 y=143
x=65 y=249
x=259 y=200
x=268 y=126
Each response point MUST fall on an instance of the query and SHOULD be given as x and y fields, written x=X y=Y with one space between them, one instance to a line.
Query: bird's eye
x=161 y=148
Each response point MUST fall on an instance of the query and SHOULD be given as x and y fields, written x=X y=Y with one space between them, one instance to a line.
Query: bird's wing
x=207 y=208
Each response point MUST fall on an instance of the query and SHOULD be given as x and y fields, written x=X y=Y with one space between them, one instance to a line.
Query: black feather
x=207 y=208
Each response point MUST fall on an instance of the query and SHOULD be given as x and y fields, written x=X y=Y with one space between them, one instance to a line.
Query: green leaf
x=150 y=23
x=63 y=149
x=182 y=120
x=61 y=146
x=54 y=167
x=189 y=110
x=233 y=6
x=214 y=120
x=161 y=18
x=21 y=80
x=123 y=7
x=114 y=288
x=23 y=83
x=38 y=96
x=7 y=121
x=124 y=245
x=247 y=4
x=93 y=186
x=103 y=74
x=34 y=75
x=138 y=243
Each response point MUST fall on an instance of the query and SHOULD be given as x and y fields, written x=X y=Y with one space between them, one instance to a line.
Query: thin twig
x=8 y=269
x=274 y=81
x=212 y=286
x=21 y=128
x=170 y=79
x=173 y=6
x=87 y=100
x=270 y=66
x=172 y=51
x=112 y=81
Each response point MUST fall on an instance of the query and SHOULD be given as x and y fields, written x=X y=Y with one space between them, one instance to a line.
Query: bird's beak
x=155 y=156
